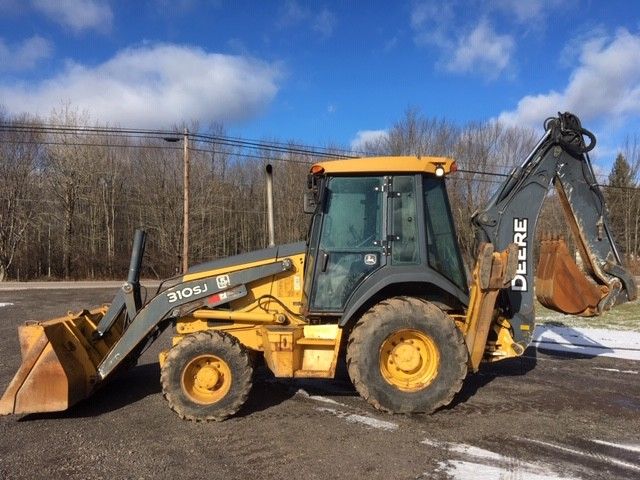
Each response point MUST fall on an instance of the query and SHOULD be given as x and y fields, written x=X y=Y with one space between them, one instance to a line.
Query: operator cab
x=379 y=223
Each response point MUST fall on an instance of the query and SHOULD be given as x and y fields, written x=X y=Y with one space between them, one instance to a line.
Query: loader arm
x=65 y=359
x=560 y=158
x=182 y=299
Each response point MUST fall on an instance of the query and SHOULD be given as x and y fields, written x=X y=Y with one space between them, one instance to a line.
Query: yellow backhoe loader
x=379 y=276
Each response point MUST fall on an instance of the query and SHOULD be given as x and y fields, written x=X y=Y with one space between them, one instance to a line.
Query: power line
x=166 y=135
x=159 y=147
x=145 y=133
x=172 y=135
x=273 y=147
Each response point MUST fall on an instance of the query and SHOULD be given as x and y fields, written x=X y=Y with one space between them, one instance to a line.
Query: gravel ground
x=548 y=415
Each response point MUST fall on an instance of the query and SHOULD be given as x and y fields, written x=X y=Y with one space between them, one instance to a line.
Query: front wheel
x=207 y=376
x=405 y=355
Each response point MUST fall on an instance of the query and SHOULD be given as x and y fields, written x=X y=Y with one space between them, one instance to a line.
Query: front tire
x=207 y=376
x=405 y=355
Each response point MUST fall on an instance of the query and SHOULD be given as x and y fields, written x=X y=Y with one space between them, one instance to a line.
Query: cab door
x=350 y=240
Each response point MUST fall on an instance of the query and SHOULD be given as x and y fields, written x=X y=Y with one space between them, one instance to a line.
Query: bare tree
x=20 y=155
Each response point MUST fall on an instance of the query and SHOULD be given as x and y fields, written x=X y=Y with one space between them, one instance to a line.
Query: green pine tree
x=621 y=201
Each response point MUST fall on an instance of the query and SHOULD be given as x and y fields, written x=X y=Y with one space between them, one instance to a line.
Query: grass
x=621 y=317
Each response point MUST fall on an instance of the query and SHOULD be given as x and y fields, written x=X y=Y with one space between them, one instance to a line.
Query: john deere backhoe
x=380 y=276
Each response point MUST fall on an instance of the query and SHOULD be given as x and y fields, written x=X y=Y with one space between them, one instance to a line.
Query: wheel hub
x=206 y=379
x=406 y=357
x=409 y=360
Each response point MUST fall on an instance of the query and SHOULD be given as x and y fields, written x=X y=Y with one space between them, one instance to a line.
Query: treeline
x=70 y=199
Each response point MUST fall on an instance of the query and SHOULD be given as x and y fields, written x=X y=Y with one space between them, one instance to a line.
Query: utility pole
x=185 y=207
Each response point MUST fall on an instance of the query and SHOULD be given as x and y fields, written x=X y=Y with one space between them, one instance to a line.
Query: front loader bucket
x=561 y=285
x=59 y=363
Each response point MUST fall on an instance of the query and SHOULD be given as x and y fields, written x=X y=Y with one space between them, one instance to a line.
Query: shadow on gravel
x=126 y=389
x=265 y=393
x=566 y=355
x=511 y=367
x=269 y=391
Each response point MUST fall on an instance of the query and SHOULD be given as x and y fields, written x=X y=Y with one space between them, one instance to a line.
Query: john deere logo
x=370 y=259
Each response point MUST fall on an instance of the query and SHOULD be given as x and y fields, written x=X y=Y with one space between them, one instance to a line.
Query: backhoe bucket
x=59 y=363
x=561 y=285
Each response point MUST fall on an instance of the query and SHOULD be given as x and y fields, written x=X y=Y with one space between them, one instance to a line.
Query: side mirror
x=309 y=202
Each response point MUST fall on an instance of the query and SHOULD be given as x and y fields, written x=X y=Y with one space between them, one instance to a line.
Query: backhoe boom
x=560 y=158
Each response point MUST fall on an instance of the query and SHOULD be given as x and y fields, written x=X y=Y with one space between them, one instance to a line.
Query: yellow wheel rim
x=206 y=379
x=409 y=360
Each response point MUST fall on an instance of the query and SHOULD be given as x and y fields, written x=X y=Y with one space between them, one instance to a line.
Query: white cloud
x=432 y=24
x=429 y=13
x=390 y=44
x=482 y=50
x=324 y=23
x=77 y=14
x=606 y=84
x=367 y=137
x=475 y=48
x=529 y=10
x=25 y=55
x=293 y=14
x=154 y=86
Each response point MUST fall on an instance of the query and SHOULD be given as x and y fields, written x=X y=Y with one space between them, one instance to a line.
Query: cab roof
x=385 y=165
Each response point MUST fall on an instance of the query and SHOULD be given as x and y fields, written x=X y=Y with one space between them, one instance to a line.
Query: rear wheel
x=207 y=376
x=406 y=355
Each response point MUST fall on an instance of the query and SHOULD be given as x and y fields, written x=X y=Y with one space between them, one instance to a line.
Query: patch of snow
x=434 y=444
x=623 y=446
x=362 y=419
x=588 y=341
x=5 y=304
x=632 y=372
x=475 y=452
x=371 y=422
x=605 y=458
x=481 y=464
x=318 y=398
x=463 y=470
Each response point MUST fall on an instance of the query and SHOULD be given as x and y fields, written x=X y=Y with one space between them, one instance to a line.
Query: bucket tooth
x=561 y=285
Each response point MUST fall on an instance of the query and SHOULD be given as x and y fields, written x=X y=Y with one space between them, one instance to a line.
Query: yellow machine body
x=269 y=320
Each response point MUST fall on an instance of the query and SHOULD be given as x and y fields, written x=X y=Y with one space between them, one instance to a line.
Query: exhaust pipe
x=272 y=235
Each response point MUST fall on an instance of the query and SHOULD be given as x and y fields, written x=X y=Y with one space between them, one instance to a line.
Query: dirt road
x=544 y=416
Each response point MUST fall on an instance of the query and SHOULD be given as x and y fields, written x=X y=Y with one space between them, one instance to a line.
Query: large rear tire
x=207 y=376
x=405 y=355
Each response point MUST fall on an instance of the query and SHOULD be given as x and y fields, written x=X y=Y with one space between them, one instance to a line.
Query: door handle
x=324 y=260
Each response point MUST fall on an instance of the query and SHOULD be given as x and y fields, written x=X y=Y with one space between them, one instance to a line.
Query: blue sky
x=320 y=72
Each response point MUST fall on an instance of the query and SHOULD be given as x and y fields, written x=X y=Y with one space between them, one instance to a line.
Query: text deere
x=519 y=282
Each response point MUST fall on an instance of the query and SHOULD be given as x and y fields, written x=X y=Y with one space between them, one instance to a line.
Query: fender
x=387 y=277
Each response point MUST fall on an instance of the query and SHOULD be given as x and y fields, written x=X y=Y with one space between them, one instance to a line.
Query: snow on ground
x=588 y=341
x=479 y=464
x=5 y=304
x=361 y=419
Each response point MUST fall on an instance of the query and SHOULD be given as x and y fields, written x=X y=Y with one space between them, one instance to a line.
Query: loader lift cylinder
x=135 y=265
x=270 y=222
x=128 y=297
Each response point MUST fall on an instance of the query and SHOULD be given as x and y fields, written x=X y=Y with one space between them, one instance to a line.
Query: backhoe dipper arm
x=511 y=215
